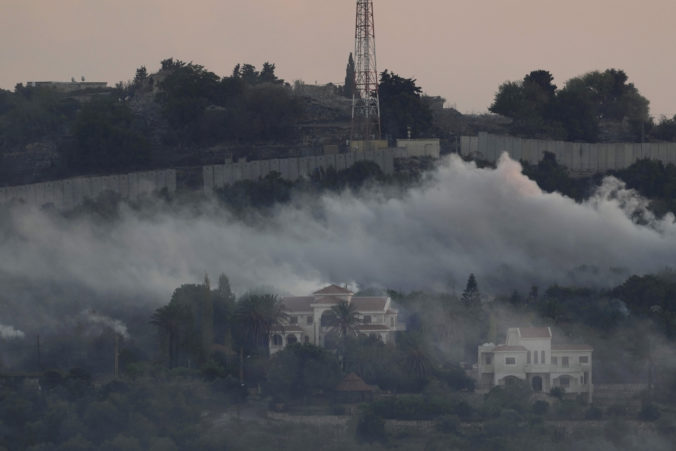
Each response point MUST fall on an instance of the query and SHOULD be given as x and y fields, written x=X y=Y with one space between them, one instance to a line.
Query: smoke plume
x=96 y=319
x=10 y=333
x=495 y=223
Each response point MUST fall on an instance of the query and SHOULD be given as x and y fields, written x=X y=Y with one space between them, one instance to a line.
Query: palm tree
x=171 y=320
x=345 y=319
x=255 y=316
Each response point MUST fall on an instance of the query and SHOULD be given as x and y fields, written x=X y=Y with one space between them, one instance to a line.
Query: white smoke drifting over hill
x=496 y=224
x=10 y=333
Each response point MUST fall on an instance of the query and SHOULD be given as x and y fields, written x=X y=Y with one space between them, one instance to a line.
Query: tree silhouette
x=255 y=316
x=471 y=296
x=349 y=87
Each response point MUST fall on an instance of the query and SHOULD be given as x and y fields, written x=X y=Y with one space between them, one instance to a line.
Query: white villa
x=308 y=317
x=529 y=355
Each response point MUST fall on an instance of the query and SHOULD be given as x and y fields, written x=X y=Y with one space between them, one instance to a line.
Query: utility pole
x=117 y=355
x=365 y=101
x=37 y=342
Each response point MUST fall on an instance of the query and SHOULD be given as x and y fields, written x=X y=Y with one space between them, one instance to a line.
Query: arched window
x=277 y=340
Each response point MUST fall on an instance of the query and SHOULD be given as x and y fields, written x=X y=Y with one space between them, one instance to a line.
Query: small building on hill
x=309 y=318
x=529 y=355
x=353 y=389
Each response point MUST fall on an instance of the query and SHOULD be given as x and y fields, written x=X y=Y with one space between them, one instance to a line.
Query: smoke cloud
x=97 y=319
x=10 y=333
x=495 y=223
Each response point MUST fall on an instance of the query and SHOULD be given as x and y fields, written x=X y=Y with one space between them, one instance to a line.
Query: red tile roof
x=354 y=383
x=333 y=289
x=535 y=332
x=370 y=304
x=328 y=300
x=298 y=303
x=505 y=348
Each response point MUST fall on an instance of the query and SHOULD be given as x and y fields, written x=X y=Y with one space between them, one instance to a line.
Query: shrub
x=540 y=407
x=649 y=412
x=370 y=428
x=557 y=392
x=448 y=424
x=593 y=413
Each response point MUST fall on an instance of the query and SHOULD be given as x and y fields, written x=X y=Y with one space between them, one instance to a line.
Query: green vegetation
x=588 y=108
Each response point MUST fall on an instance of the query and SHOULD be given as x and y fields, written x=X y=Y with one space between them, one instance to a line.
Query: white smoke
x=10 y=333
x=496 y=224
x=97 y=319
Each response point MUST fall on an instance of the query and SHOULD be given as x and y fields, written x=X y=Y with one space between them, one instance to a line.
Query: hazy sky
x=461 y=50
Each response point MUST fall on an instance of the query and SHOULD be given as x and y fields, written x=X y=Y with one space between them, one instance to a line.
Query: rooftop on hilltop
x=333 y=289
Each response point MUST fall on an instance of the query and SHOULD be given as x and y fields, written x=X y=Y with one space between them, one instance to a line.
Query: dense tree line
x=595 y=106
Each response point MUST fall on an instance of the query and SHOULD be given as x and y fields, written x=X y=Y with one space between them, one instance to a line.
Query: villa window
x=528 y=357
x=391 y=322
x=564 y=362
x=293 y=320
x=276 y=340
x=542 y=357
x=584 y=359
x=310 y=319
x=306 y=339
x=510 y=360
x=535 y=356
x=488 y=359
x=555 y=360
x=367 y=319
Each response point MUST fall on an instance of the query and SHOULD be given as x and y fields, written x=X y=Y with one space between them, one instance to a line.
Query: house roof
x=572 y=348
x=354 y=383
x=535 y=332
x=333 y=289
x=370 y=304
x=506 y=348
x=327 y=300
x=367 y=327
x=298 y=303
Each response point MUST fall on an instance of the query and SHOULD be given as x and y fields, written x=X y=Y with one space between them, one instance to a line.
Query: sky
x=461 y=50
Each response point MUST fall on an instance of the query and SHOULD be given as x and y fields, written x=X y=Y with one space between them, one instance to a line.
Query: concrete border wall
x=71 y=192
x=582 y=158
x=295 y=168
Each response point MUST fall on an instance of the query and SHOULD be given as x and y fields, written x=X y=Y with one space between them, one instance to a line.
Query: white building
x=529 y=355
x=309 y=317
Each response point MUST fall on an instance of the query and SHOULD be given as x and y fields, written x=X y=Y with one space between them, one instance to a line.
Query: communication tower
x=365 y=102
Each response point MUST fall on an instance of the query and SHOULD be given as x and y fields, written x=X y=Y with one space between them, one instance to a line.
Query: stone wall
x=581 y=158
x=71 y=192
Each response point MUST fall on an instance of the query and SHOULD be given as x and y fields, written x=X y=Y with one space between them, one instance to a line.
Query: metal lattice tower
x=365 y=102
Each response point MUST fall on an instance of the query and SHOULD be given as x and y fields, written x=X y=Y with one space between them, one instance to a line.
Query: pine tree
x=471 y=296
x=350 y=78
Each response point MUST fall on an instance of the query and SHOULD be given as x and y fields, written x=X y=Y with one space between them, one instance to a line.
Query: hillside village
x=366 y=367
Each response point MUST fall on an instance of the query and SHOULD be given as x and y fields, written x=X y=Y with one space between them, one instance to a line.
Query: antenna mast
x=365 y=103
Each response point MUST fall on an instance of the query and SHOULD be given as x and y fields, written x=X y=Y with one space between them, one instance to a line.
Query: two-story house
x=529 y=355
x=309 y=317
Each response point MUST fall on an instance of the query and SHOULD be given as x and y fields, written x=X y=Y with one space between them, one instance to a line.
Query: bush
x=593 y=413
x=448 y=424
x=557 y=392
x=370 y=428
x=649 y=412
x=540 y=407
x=616 y=410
